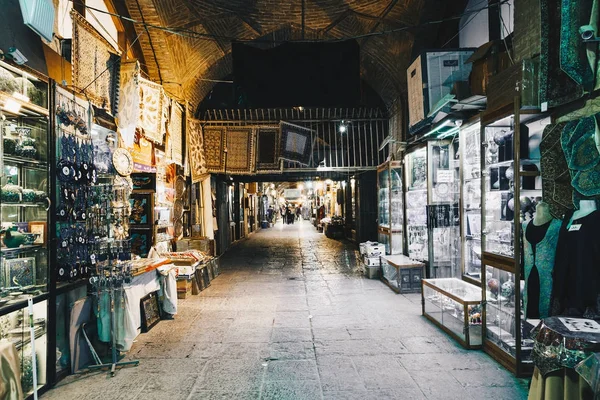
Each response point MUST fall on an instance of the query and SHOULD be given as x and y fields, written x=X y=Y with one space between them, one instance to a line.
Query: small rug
x=151 y=110
x=240 y=150
x=268 y=148
x=195 y=145
x=296 y=143
x=214 y=146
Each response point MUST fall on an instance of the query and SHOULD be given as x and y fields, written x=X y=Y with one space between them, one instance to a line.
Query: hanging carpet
x=240 y=150
x=214 y=146
x=195 y=147
x=129 y=102
x=95 y=65
x=268 y=148
x=151 y=111
x=296 y=143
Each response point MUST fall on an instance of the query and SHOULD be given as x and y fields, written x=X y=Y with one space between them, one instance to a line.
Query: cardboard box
x=184 y=288
x=371 y=261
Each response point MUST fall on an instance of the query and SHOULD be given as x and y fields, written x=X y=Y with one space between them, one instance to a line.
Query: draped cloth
x=10 y=372
x=129 y=103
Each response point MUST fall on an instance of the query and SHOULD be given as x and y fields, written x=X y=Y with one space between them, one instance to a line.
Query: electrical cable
x=465 y=25
x=213 y=37
x=149 y=39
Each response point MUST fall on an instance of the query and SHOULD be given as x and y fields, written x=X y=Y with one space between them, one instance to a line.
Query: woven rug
x=268 y=147
x=95 y=64
x=195 y=146
x=214 y=146
x=296 y=143
x=240 y=150
x=151 y=110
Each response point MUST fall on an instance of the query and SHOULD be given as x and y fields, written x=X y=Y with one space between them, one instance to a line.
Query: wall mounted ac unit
x=39 y=16
x=431 y=77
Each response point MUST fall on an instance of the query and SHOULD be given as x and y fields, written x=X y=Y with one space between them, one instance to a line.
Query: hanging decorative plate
x=442 y=189
x=178 y=228
x=123 y=162
x=178 y=209
x=179 y=187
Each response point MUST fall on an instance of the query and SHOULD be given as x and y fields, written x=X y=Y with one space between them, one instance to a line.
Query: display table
x=560 y=344
x=401 y=273
x=141 y=286
x=455 y=306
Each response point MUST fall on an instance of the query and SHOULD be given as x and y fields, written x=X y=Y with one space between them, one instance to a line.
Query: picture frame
x=144 y=181
x=20 y=272
x=142 y=210
x=40 y=228
x=150 y=311
x=141 y=241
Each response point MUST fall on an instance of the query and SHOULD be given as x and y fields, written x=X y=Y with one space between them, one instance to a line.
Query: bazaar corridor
x=292 y=317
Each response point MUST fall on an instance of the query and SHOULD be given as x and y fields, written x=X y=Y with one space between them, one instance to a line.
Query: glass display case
x=443 y=226
x=511 y=190
x=415 y=164
x=470 y=149
x=390 y=207
x=455 y=306
x=24 y=220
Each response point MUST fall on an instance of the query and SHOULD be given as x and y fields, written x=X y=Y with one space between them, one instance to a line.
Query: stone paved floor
x=291 y=317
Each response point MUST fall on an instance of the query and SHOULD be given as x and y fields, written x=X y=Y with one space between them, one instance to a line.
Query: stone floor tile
x=296 y=390
x=382 y=372
x=291 y=351
x=338 y=374
x=291 y=334
x=292 y=370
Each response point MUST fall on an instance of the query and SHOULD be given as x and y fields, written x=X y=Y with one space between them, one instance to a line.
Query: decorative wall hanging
x=175 y=145
x=141 y=210
x=95 y=64
x=129 y=101
x=142 y=153
x=214 y=146
x=296 y=143
x=150 y=311
x=240 y=150
x=268 y=149
x=151 y=110
x=195 y=148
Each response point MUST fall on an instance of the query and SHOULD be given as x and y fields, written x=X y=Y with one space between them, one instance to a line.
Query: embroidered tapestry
x=267 y=149
x=240 y=150
x=556 y=180
x=129 y=102
x=151 y=111
x=296 y=143
x=175 y=130
x=195 y=147
x=214 y=146
x=95 y=65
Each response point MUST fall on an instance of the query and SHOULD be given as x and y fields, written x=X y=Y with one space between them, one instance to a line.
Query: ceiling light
x=343 y=127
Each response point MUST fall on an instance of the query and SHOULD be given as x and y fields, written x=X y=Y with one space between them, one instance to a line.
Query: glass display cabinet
x=391 y=207
x=443 y=227
x=24 y=205
x=415 y=166
x=511 y=185
x=470 y=150
x=455 y=306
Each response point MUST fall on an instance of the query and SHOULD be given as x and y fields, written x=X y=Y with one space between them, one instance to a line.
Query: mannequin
x=540 y=236
x=576 y=279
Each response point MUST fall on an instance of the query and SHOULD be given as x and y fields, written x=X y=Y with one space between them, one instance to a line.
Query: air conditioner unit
x=431 y=78
x=39 y=16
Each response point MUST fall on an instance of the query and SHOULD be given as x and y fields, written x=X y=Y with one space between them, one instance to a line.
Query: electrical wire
x=512 y=62
x=149 y=39
x=213 y=37
x=465 y=25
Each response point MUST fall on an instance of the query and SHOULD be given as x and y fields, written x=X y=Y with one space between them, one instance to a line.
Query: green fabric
x=581 y=153
x=573 y=54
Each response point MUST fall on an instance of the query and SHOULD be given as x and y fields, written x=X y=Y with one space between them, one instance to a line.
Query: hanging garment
x=576 y=277
x=539 y=244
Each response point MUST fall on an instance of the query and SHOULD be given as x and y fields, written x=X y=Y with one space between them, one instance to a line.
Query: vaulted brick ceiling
x=185 y=65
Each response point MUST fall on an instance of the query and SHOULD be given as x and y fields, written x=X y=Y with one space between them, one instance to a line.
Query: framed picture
x=141 y=241
x=40 y=228
x=141 y=210
x=150 y=311
x=20 y=272
x=144 y=181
